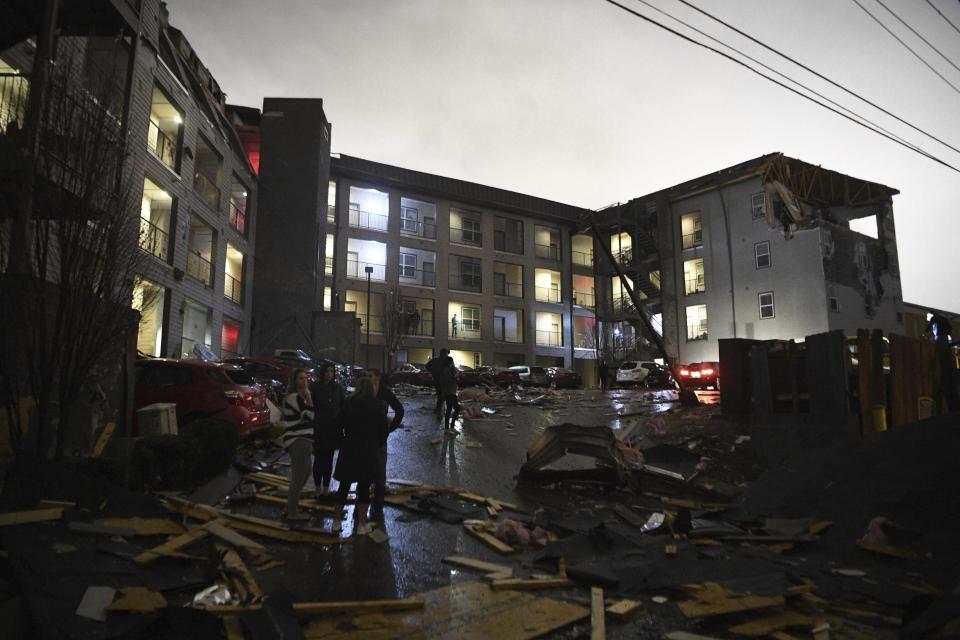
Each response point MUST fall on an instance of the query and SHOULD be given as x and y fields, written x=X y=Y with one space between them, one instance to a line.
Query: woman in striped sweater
x=297 y=438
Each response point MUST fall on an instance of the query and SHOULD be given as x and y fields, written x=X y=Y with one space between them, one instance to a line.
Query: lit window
x=761 y=253
x=408 y=265
x=470 y=318
x=758 y=206
x=697 y=322
x=409 y=219
x=691 y=230
x=766 y=305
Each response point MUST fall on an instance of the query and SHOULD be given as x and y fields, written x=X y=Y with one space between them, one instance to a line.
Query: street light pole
x=369 y=270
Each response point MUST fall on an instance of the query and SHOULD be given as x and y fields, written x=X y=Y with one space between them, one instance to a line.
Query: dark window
x=761 y=252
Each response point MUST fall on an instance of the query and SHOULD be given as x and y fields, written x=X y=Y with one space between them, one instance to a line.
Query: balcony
x=548 y=294
x=584 y=341
x=375 y=324
x=162 y=146
x=581 y=258
x=465 y=282
x=418 y=277
x=694 y=285
x=585 y=300
x=238 y=218
x=506 y=288
x=358 y=269
x=464 y=331
x=549 y=338
x=207 y=190
x=200 y=268
x=360 y=219
x=693 y=240
x=232 y=289
x=421 y=329
x=547 y=251
x=623 y=257
x=509 y=337
x=153 y=239
x=419 y=229
x=470 y=236
x=696 y=331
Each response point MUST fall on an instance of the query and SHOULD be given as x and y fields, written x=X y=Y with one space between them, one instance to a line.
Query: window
x=508 y=235
x=697 y=322
x=471 y=231
x=470 y=274
x=861 y=255
x=691 y=230
x=409 y=219
x=164 y=130
x=833 y=301
x=761 y=254
x=471 y=318
x=408 y=265
x=693 y=277
x=766 y=305
x=758 y=206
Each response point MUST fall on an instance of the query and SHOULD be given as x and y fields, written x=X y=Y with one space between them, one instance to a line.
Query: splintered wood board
x=11 y=518
x=467 y=610
x=488 y=539
x=478 y=565
x=144 y=526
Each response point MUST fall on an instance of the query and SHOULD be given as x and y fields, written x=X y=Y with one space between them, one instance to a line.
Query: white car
x=533 y=376
x=634 y=371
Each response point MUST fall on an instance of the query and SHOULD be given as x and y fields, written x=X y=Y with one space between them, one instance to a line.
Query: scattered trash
x=654 y=522
x=214 y=595
x=489 y=411
x=660 y=599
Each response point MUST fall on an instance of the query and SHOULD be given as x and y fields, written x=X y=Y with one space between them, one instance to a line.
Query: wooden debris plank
x=171 y=546
x=273 y=564
x=782 y=635
x=137 y=600
x=623 y=608
x=685 y=635
x=231 y=624
x=52 y=504
x=100 y=529
x=530 y=585
x=200 y=512
x=144 y=526
x=232 y=561
x=502 y=504
x=490 y=577
x=598 y=623
x=488 y=539
x=13 y=518
x=888 y=550
x=320 y=608
x=478 y=565
x=767 y=625
x=220 y=529
x=693 y=609
x=472 y=497
x=287 y=535
x=404 y=483
x=104 y=438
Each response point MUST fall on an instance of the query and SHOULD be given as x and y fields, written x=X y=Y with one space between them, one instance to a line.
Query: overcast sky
x=577 y=101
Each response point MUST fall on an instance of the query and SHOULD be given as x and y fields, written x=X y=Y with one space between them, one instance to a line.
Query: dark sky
x=576 y=101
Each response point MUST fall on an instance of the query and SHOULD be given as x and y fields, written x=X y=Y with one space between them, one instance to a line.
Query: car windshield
x=240 y=377
x=629 y=365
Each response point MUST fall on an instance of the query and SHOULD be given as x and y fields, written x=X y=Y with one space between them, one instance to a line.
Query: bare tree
x=67 y=321
x=397 y=324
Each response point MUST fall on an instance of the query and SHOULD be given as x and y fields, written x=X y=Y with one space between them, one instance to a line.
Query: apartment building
x=497 y=277
x=195 y=186
x=760 y=250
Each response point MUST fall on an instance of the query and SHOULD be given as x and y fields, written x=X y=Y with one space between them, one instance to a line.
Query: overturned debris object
x=560 y=440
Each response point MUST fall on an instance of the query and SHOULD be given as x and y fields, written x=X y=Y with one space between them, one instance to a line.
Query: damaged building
x=760 y=250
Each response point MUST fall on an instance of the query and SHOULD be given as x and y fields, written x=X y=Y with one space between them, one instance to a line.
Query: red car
x=564 y=378
x=200 y=390
x=700 y=375
x=498 y=376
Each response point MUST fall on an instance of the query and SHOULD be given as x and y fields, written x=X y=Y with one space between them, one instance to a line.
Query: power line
x=906 y=46
x=781 y=84
x=914 y=32
x=818 y=74
x=955 y=27
x=772 y=70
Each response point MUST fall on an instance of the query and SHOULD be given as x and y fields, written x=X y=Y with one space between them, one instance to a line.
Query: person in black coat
x=388 y=399
x=328 y=399
x=434 y=367
x=358 y=462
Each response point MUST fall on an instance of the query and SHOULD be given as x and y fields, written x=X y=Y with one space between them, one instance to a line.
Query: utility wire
x=781 y=84
x=914 y=32
x=772 y=70
x=818 y=74
x=955 y=27
x=906 y=46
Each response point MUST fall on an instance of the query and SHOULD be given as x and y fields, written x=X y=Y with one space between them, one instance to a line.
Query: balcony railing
x=375 y=324
x=510 y=244
x=464 y=331
x=418 y=277
x=358 y=269
x=582 y=299
x=512 y=337
x=417 y=228
x=360 y=219
x=153 y=239
x=238 y=217
x=199 y=267
x=693 y=240
x=549 y=338
x=624 y=304
x=472 y=237
x=697 y=331
x=14 y=89
x=547 y=251
x=328 y=266
x=624 y=256
x=582 y=258
x=422 y=328
x=208 y=191
x=584 y=341
x=465 y=282
x=507 y=288
x=695 y=284
x=162 y=146
x=232 y=289
x=548 y=294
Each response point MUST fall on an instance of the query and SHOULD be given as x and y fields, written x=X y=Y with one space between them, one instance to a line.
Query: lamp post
x=369 y=270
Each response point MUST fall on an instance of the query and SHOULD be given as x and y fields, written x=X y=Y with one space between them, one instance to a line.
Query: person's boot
x=360 y=526
x=376 y=513
x=337 y=526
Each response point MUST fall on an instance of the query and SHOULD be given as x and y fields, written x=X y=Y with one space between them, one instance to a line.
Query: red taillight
x=707 y=372
x=684 y=372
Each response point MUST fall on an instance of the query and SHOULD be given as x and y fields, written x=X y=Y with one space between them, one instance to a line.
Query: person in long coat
x=328 y=400
x=358 y=461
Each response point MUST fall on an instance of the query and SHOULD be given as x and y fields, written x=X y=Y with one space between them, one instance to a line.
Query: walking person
x=604 y=372
x=363 y=422
x=388 y=400
x=297 y=439
x=434 y=367
x=448 y=389
x=328 y=399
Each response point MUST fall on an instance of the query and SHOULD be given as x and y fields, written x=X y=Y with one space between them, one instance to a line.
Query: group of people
x=319 y=419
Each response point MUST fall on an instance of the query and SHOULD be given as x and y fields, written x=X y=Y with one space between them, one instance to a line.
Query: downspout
x=726 y=225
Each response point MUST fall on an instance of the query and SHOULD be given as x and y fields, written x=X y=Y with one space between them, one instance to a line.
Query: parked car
x=410 y=373
x=498 y=376
x=658 y=376
x=564 y=378
x=468 y=376
x=634 y=371
x=531 y=376
x=265 y=367
x=275 y=389
x=201 y=390
x=701 y=375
